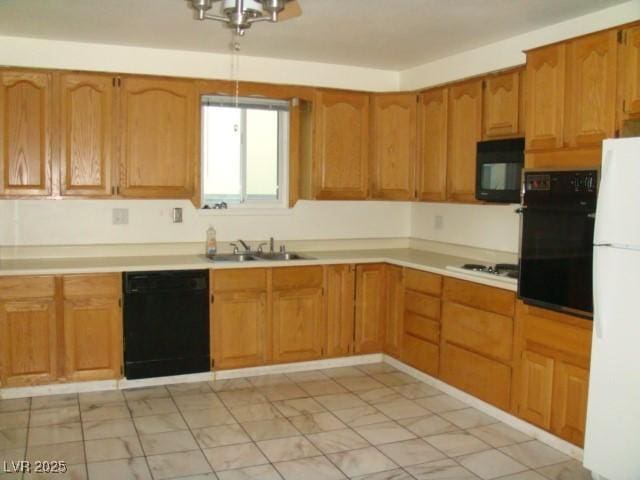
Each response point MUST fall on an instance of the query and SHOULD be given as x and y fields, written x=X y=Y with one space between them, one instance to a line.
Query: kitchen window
x=245 y=146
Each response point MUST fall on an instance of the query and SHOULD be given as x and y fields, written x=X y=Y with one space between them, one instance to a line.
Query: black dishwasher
x=166 y=323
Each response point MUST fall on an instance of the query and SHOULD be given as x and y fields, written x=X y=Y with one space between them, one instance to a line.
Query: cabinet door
x=25 y=133
x=238 y=329
x=157 y=137
x=394 y=146
x=501 y=106
x=432 y=144
x=535 y=385
x=465 y=130
x=297 y=325
x=341 y=145
x=341 y=282
x=591 y=89
x=86 y=134
x=545 y=97
x=631 y=69
x=393 y=331
x=28 y=341
x=569 y=409
x=92 y=338
x=370 y=308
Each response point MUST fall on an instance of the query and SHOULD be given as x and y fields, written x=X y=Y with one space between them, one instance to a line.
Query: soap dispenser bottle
x=211 y=241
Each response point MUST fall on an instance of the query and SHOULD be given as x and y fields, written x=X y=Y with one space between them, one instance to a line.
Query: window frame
x=247 y=203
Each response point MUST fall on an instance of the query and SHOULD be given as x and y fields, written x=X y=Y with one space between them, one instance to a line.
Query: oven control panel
x=537 y=182
x=562 y=182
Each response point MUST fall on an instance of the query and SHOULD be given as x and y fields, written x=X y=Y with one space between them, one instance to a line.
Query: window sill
x=247 y=212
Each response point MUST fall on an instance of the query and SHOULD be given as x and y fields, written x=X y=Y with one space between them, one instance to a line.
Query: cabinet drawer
x=424 y=282
x=107 y=285
x=286 y=278
x=421 y=327
x=26 y=287
x=239 y=279
x=479 y=296
x=420 y=354
x=423 y=305
x=484 y=378
x=481 y=331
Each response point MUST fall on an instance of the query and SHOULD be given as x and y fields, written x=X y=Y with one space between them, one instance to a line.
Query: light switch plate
x=177 y=215
x=120 y=216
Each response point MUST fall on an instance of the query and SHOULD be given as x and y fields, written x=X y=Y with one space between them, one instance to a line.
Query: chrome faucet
x=271 y=244
x=244 y=245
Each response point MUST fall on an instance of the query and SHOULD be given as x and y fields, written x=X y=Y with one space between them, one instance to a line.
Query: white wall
x=493 y=227
x=31 y=52
x=85 y=222
x=509 y=53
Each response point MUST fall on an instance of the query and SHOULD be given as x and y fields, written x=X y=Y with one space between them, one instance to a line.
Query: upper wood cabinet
x=239 y=317
x=503 y=104
x=28 y=326
x=340 y=300
x=370 y=308
x=592 y=63
x=630 y=62
x=158 y=134
x=393 y=158
x=464 y=131
x=432 y=145
x=298 y=314
x=92 y=326
x=87 y=132
x=545 y=79
x=25 y=133
x=341 y=145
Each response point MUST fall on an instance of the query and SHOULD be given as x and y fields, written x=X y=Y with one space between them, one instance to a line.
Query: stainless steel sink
x=282 y=256
x=249 y=257
x=231 y=257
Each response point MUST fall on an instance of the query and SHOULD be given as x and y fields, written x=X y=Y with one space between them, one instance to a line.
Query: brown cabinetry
x=464 y=131
x=28 y=343
x=421 y=322
x=371 y=308
x=393 y=329
x=551 y=380
x=298 y=314
x=477 y=340
x=158 y=135
x=26 y=128
x=92 y=326
x=239 y=317
x=630 y=71
x=503 y=105
x=432 y=145
x=340 y=301
x=87 y=132
x=341 y=145
x=393 y=156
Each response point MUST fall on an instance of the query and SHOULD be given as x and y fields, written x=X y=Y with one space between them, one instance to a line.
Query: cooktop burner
x=509 y=270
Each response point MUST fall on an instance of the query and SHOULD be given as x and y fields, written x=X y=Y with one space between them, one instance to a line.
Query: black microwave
x=499 y=170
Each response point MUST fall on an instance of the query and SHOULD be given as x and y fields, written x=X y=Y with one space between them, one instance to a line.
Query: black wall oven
x=556 y=251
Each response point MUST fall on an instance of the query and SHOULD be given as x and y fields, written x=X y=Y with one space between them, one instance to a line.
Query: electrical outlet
x=120 y=216
x=177 y=215
x=438 y=222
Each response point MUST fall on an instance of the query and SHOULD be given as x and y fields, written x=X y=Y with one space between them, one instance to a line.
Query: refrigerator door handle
x=598 y=322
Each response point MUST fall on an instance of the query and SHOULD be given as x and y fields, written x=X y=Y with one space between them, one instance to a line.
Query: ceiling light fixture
x=241 y=14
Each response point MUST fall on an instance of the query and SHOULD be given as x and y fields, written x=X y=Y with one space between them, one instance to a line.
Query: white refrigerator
x=612 y=442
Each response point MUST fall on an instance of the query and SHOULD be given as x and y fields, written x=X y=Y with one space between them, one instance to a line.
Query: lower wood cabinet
x=298 y=314
x=239 y=318
x=60 y=329
x=340 y=288
x=92 y=327
x=552 y=378
x=28 y=338
x=477 y=340
x=370 y=308
x=393 y=329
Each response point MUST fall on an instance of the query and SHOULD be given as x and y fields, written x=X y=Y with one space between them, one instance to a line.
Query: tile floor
x=365 y=422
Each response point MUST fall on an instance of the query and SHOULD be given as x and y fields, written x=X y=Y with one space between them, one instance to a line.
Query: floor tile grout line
x=84 y=442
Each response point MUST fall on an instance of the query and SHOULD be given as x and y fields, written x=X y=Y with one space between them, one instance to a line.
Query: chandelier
x=241 y=14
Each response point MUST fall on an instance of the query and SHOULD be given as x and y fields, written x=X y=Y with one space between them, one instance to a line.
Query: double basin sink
x=253 y=256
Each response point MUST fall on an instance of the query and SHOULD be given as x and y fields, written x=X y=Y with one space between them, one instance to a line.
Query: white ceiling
x=386 y=34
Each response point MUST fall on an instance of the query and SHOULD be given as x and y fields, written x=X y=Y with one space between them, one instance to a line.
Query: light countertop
x=405 y=257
